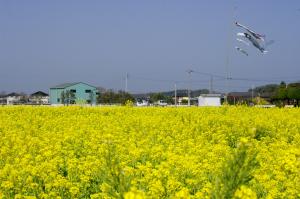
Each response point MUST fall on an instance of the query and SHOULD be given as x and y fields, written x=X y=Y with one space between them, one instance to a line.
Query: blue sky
x=44 y=43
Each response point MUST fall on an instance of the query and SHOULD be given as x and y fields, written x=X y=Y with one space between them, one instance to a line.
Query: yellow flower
x=183 y=193
x=134 y=194
x=109 y=152
x=245 y=193
x=74 y=191
x=7 y=185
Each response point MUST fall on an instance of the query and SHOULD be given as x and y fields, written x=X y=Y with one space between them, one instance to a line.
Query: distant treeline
x=279 y=94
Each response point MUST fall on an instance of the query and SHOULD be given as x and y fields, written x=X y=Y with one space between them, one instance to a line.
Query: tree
x=154 y=97
x=99 y=98
x=260 y=101
x=269 y=88
x=281 y=94
x=106 y=98
x=184 y=101
x=63 y=97
x=67 y=97
x=170 y=100
x=72 y=98
x=124 y=97
x=293 y=92
x=91 y=97
x=110 y=97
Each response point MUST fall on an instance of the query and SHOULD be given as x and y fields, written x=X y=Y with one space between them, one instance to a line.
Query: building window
x=58 y=99
x=88 y=91
x=73 y=90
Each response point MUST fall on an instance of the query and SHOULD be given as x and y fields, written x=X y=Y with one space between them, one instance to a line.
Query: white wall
x=13 y=99
x=209 y=101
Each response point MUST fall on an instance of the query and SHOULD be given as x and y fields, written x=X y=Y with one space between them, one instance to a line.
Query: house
x=3 y=99
x=209 y=100
x=247 y=97
x=39 y=97
x=71 y=93
x=182 y=100
x=239 y=97
x=16 y=98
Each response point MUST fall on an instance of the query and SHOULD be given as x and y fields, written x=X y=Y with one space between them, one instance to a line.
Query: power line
x=209 y=74
x=164 y=80
x=152 y=79
x=212 y=79
x=217 y=77
x=221 y=77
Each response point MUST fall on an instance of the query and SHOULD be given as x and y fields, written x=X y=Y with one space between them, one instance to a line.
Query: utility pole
x=126 y=83
x=189 y=89
x=211 y=84
x=252 y=93
x=175 y=94
x=226 y=91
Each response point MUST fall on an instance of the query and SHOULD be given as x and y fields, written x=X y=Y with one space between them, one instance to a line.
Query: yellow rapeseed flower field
x=127 y=152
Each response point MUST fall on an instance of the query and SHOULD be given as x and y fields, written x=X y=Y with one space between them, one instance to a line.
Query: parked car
x=161 y=103
x=142 y=103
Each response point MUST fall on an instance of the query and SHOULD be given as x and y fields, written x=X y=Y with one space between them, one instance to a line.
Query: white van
x=142 y=103
x=161 y=103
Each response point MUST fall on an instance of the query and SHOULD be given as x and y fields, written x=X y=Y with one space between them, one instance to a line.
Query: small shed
x=77 y=91
x=209 y=100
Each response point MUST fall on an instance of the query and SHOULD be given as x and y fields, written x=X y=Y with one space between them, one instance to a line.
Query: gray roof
x=39 y=93
x=65 y=85
x=240 y=94
x=13 y=94
x=211 y=95
x=249 y=94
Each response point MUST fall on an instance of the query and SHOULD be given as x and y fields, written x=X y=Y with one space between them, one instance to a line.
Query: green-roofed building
x=77 y=92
